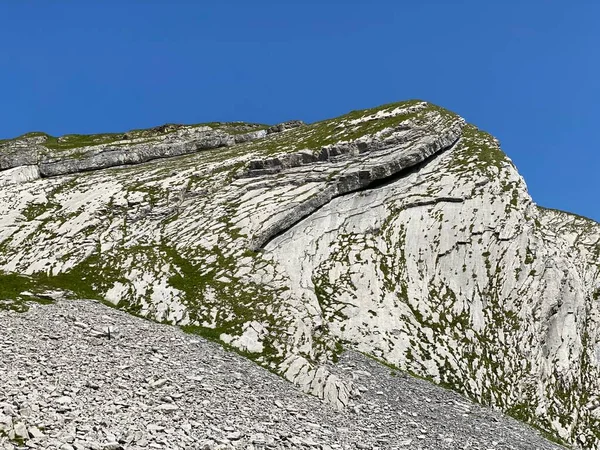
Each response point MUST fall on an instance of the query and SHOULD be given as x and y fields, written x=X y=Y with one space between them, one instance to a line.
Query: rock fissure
x=373 y=177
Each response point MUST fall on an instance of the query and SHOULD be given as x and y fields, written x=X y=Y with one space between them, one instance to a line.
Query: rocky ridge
x=401 y=232
x=40 y=155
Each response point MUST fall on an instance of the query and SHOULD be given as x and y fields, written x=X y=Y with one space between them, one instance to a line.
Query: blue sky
x=526 y=71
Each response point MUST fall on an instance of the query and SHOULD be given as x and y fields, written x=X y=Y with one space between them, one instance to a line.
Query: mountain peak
x=401 y=232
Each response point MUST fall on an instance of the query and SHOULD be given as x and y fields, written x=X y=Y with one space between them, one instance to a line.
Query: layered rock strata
x=401 y=232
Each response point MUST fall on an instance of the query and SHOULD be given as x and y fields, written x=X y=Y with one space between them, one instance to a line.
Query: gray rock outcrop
x=131 y=148
x=400 y=232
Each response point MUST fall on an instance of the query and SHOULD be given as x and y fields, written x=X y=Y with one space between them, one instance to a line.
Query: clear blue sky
x=527 y=71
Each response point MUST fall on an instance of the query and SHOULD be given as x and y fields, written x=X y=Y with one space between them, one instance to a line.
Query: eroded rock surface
x=401 y=232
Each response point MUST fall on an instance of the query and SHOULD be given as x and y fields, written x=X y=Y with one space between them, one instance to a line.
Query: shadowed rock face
x=400 y=232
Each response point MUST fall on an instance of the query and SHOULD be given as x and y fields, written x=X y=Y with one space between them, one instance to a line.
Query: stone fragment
x=20 y=431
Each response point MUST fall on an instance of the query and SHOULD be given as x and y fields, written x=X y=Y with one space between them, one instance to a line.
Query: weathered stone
x=285 y=126
x=35 y=433
x=20 y=430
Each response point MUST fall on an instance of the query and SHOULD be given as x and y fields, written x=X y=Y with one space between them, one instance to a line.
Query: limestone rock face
x=401 y=232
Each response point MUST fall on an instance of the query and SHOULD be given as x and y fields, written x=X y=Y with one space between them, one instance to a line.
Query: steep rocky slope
x=65 y=385
x=401 y=232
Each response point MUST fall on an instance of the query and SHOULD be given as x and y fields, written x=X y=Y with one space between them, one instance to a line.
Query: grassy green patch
x=35 y=210
x=235 y=127
x=74 y=141
x=570 y=214
x=327 y=132
x=478 y=151
x=17 y=290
